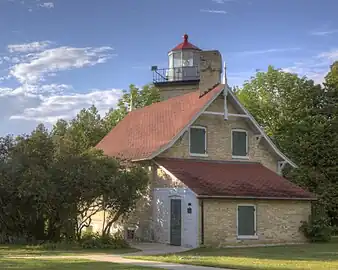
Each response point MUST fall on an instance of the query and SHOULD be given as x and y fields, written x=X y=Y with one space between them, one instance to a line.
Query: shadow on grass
x=34 y=264
x=21 y=250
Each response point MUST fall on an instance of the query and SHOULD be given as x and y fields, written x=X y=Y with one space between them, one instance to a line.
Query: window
x=198 y=141
x=246 y=221
x=187 y=59
x=239 y=140
x=177 y=59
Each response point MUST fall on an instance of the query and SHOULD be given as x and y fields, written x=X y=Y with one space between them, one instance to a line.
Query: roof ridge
x=177 y=97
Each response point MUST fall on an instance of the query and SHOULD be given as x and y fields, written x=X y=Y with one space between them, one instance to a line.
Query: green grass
x=22 y=250
x=53 y=264
x=308 y=256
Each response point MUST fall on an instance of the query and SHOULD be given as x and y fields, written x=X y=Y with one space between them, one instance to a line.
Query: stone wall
x=172 y=90
x=219 y=139
x=277 y=221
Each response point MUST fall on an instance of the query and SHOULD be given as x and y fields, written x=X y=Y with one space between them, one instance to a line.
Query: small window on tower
x=187 y=59
x=177 y=59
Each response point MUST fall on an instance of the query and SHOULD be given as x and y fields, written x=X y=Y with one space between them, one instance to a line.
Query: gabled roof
x=229 y=179
x=146 y=132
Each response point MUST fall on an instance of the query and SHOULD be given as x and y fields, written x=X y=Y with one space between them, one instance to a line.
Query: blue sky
x=58 y=56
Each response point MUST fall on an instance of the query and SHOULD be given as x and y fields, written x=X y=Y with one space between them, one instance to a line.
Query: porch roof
x=230 y=179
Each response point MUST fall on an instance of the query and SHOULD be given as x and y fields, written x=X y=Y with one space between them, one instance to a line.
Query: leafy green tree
x=299 y=116
x=52 y=183
x=121 y=197
x=135 y=98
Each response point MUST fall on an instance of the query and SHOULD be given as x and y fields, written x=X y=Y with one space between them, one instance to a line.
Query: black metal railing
x=176 y=74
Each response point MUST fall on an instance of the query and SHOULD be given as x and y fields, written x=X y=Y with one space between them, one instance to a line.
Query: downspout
x=202 y=222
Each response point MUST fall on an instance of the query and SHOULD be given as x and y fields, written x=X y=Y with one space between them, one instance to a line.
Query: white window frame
x=255 y=236
x=205 y=139
x=247 y=143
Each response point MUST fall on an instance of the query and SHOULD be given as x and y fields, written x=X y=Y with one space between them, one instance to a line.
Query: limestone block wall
x=172 y=90
x=219 y=142
x=278 y=221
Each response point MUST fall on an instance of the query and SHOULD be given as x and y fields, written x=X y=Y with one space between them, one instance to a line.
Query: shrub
x=64 y=245
x=97 y=241
x=317 y=229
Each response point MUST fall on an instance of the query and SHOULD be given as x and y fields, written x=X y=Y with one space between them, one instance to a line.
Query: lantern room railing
x=177 y=74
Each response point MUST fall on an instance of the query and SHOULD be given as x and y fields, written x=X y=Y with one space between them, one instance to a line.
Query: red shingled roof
x=232 y=179
x=145 y=131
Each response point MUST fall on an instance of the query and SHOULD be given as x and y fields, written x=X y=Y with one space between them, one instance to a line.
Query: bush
x=97 y=241
x=317 y=229
x=64 y=245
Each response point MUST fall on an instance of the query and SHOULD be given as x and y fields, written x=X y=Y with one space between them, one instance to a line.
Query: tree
x=299 y=116
x=121 y=197
x=52 y=183
x=135 y=98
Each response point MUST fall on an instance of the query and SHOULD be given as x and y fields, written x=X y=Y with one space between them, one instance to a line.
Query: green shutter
x=246 y=220
x=197 y=141
x=239 y=142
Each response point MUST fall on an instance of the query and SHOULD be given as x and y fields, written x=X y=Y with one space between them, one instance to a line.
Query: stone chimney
x=210 y=70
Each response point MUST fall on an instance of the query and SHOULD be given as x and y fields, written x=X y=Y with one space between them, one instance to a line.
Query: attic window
x=198 y=141
x=239 y=141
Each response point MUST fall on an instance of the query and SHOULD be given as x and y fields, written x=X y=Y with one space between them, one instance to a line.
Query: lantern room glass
x=187 y=58
x=177 y=57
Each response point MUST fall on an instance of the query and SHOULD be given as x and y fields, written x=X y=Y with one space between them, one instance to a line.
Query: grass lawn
x=22 y=250
x=308 y=256
x=53 y=264
x=7 y=263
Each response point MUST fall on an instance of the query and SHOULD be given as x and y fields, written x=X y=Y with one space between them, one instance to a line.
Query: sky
x=59 y=56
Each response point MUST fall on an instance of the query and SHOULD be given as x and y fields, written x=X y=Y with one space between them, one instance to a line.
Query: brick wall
x=219 y=139
x=277 y=221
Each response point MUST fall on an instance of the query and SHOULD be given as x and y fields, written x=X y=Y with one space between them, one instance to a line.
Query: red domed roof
x=185 y=45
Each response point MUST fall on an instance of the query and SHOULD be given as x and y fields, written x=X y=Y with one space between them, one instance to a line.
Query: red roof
x=185 y=45
x=145 y=131
x=232 y=179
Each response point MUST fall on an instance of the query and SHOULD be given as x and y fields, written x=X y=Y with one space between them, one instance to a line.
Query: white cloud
x=44 y=89
x=35 y=46
x=54 y=107
x=214 y=11
x=315 y=67
x=47 y=5
x=38 y=65
x=274 y=50
x=324 y=33
x=38 y=98
x=331 y=55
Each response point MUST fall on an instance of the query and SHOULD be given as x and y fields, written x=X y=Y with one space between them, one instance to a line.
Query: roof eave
x=266 y=137
x=255 y=198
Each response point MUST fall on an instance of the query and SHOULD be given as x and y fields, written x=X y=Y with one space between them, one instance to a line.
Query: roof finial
x=185 y=37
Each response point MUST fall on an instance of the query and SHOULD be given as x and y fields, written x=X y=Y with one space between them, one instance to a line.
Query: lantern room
x=183 y=66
